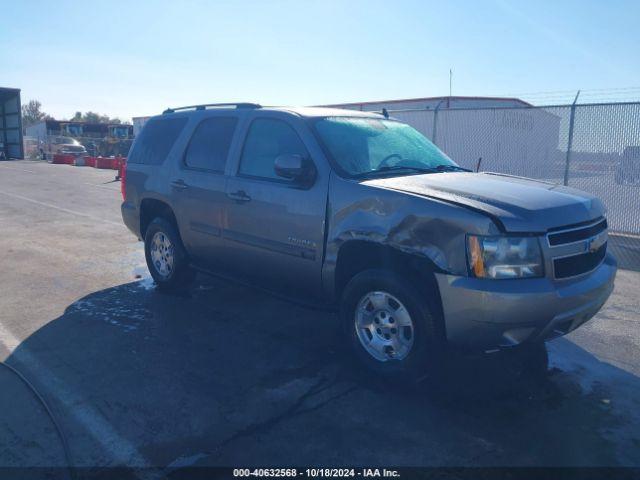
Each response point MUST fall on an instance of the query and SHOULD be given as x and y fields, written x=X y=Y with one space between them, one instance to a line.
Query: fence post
x=435 y=122
x=572 y=117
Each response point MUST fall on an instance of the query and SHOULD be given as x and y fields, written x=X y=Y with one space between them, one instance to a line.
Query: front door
x=275 y=227
x=198 y=188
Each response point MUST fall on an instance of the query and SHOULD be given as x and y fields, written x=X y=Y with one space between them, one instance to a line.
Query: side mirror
x=295 y=167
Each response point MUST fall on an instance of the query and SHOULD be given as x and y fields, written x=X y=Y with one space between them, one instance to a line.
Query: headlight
x=504 y=257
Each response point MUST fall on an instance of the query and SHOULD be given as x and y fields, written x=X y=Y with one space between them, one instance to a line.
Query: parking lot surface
x=227 y=375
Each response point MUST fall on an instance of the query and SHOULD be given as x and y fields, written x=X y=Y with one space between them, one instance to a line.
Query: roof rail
x=207 y=105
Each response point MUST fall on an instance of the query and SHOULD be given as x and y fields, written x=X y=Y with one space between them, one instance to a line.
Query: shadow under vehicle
x=150 y=381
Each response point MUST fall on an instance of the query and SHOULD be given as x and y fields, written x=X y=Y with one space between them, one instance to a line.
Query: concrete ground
x=226 y=375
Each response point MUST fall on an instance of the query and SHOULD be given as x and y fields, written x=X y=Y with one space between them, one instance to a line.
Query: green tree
x=93 y=117
x=32 y=113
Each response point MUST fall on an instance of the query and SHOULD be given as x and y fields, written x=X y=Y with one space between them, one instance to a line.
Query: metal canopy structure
x=11 y=122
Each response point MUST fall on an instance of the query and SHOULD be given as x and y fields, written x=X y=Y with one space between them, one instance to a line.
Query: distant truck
x=628 y=170
x=57 y=145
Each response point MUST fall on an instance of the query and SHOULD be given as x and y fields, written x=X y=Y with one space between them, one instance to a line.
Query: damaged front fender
x=426 y=228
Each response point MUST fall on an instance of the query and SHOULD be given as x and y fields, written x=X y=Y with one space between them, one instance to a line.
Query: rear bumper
x=490 y=314
x=131 y=217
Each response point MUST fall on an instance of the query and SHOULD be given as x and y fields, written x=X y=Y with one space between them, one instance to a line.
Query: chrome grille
x=577 y=234
x=578 y=250
x=578 y=264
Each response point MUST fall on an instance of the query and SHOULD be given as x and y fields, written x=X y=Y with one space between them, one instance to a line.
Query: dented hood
x=516 y=204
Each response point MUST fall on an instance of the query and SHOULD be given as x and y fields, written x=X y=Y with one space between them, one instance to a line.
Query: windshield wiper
x=403 y=167
x=407 y=168
x=450 y=168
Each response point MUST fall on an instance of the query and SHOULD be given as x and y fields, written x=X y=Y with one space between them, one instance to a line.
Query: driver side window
x=267 y=139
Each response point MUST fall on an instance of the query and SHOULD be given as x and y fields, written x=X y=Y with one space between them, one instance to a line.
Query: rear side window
x=209 y=145
x=266 y=140
x=156 y=139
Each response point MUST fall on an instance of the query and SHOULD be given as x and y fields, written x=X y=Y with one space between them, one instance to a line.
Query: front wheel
x=166 y=257
x=390 y=326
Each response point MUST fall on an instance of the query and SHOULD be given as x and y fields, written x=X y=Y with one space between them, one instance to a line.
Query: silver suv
x=360 y=212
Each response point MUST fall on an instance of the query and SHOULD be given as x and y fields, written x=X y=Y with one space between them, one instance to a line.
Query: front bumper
x=489 y=314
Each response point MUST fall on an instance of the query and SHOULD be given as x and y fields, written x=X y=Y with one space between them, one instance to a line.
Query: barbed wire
x=594 y=95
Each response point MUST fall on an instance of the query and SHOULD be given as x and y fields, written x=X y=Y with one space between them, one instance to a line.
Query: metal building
x=11 y=123
x=432 y=103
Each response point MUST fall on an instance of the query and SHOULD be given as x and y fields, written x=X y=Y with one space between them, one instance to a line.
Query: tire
x=386 y=289
x=166 y=257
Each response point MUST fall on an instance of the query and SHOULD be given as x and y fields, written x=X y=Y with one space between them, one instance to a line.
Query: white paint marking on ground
x=119 y=449
x=61 y=209
x=19 y=169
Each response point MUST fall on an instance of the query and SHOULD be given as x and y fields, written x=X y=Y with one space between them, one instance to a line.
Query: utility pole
x=450 y=89
x=570 y=139
x=435 y=122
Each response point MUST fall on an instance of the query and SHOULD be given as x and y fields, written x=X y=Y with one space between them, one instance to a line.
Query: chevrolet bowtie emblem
x=593 y=244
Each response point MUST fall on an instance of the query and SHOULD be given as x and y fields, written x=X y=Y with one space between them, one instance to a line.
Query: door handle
x=240 y=196
x=179 y=184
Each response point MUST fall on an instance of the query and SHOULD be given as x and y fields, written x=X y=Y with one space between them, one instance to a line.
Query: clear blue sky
x=137 y=57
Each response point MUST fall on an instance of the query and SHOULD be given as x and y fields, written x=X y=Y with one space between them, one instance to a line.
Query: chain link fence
x=595 y=148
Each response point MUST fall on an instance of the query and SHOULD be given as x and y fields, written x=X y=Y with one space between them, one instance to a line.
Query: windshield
x=120 y=132
x=366 y=146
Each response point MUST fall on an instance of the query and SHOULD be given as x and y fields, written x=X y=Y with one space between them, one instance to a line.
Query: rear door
x=275 y=229
x=198 y=187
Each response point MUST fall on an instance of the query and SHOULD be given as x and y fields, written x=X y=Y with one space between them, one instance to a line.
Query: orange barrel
x=103 y=162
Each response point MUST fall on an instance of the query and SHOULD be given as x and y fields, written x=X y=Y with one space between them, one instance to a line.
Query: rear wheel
x=390 y=326
x=166 y=257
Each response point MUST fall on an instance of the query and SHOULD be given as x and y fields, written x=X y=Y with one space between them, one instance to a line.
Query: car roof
x=308 y=112
x=326 y=112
